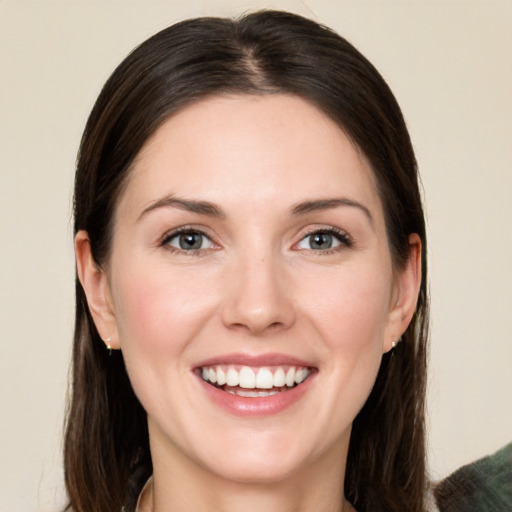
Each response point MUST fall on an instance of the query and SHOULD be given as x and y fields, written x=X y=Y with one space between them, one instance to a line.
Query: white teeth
x=252 y=378
x=268 y=393
x=232 y=377
x=252 y=394
x=290 y=377
x=247 y=378
x=265 y=379
x=279 y=378
x=300 y=375
x=221 y=376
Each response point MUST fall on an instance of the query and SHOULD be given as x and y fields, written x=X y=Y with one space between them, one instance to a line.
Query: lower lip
x=257 y=406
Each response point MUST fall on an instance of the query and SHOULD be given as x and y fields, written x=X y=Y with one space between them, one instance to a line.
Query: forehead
x=241 y=150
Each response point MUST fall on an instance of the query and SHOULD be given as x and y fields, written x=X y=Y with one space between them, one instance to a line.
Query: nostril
x=256 y=328
x=257 y=307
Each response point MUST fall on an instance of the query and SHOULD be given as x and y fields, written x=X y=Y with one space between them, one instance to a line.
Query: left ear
x=405 y=296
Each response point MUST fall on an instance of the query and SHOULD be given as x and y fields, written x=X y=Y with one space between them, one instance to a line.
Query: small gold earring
x=109 y=347
x=395 y=343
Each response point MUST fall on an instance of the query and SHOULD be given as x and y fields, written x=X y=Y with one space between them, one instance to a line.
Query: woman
x=250 y=248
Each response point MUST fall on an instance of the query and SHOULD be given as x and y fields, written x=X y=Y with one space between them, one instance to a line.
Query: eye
x=189 y=240
x=324 y=240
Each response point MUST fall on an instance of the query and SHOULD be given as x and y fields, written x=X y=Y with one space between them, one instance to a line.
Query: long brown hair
x=106 y=452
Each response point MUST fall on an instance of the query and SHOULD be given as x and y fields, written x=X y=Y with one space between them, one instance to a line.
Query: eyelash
x=342 y=237
x=182 y=231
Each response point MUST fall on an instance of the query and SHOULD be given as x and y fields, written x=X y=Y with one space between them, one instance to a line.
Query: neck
x=250 y=498
x=180 y=484
x=246 y=502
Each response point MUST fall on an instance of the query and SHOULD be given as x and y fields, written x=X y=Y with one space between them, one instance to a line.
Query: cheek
x=159 y=310
x=159 y=314
x=353 y=310
x=351 y=319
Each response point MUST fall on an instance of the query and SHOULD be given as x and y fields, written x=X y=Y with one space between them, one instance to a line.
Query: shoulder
x=483 y=486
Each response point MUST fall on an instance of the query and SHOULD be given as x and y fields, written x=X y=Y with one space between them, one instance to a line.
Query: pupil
x=321 y=241
x=190 y=241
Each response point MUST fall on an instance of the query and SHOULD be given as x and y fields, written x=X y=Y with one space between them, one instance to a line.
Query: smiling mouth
x=251 y=382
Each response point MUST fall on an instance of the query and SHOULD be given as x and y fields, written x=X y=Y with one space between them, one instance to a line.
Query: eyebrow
x=200 y=207
x=328 y=204
x=212 y=210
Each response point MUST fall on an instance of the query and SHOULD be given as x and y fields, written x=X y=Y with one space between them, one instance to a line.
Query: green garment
x=483 y=486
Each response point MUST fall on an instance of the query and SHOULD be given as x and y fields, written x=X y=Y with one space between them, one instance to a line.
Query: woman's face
x=250 y=287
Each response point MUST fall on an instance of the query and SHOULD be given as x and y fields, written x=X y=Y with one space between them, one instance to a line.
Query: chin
x=257 y=470
x=259 y=459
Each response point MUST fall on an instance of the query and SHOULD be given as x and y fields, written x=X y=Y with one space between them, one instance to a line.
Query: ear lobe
x=97 y=290
x=408 y=283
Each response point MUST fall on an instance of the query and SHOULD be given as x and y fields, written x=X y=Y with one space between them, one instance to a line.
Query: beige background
x=450 y=65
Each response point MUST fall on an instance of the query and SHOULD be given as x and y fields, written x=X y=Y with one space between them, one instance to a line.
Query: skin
x=255 y=158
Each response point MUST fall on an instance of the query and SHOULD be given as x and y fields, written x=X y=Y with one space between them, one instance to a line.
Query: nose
x=258 y=297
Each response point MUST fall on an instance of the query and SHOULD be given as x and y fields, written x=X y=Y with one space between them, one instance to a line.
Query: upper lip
x=258 y=360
